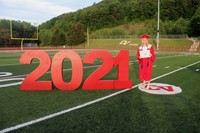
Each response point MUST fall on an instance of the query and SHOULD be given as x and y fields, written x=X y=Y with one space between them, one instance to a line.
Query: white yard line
x=38 y=62
x=85 y=104
x=24 y=75
x=131 y=62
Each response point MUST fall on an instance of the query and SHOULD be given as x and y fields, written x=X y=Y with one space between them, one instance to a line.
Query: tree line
x=20 y=29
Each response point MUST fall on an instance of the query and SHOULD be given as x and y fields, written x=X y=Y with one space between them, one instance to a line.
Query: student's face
x=144 y=41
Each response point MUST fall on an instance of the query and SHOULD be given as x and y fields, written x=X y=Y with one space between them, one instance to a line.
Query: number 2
x=30 y=82
x=93 y=81
x=57 y=70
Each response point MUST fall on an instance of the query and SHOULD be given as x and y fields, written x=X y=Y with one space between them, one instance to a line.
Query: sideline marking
x=85 y=104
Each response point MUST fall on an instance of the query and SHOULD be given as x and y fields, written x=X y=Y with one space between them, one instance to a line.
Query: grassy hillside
x=132 y=28
x=129 y=34
x=165 y=44
x=174 y=45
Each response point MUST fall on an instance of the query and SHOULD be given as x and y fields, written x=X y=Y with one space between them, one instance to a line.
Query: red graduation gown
x=146 y=64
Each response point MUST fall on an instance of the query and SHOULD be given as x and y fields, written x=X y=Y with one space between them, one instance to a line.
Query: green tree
x=117 y=32
x=194 y=26
x=45 y=36
x=181 y=26
x=5 y=37
x=76 y=35
x=58 y=37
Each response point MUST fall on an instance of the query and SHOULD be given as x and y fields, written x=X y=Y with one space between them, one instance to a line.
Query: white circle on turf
x=162 y=89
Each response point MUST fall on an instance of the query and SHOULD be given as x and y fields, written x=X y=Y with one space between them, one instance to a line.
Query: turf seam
x=38 y=62
x=17 y=76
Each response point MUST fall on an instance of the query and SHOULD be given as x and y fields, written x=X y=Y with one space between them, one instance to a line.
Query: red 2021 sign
x=92 y=82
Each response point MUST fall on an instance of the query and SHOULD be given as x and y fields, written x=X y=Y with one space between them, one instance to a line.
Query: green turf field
x=130 y=111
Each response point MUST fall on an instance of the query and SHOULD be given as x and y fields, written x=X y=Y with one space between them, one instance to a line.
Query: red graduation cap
x=144 y=36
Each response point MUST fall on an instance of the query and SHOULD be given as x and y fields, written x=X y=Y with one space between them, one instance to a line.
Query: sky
x=39 y=11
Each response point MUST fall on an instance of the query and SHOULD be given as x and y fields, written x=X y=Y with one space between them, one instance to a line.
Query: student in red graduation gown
x=145 y=64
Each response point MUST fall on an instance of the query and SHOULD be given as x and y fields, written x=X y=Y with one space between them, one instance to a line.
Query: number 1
x=122 y=62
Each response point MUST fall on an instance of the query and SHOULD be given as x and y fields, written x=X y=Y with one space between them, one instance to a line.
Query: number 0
x=57 y=70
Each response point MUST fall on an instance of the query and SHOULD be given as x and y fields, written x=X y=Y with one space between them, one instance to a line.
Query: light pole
x=158 y=25
x=88 y=37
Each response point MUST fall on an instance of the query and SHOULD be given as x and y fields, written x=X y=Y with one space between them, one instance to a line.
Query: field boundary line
x=38 y=62
x=86 y=104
